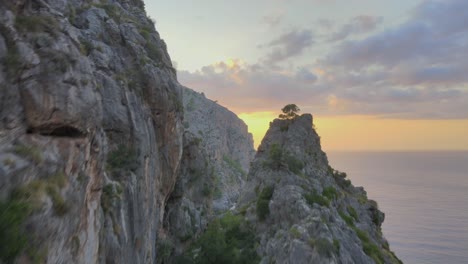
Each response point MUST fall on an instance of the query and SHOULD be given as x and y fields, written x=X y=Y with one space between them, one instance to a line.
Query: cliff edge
x=302 y=210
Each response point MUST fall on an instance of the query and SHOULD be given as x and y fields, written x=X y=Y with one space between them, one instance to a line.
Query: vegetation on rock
x=227 y=240
x=289 y=111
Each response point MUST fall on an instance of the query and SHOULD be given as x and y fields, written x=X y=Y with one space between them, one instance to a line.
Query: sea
x=424 y=196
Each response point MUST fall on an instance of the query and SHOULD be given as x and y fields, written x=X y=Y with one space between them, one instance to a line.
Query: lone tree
x=289 y=111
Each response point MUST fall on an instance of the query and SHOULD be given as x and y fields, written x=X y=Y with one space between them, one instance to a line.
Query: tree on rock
x=289 y=111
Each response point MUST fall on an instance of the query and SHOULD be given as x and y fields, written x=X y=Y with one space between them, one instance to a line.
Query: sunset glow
x=376 y=75
x=353 y=133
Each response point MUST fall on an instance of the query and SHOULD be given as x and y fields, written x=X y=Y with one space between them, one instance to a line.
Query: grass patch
x=29 y=152
x=348 y=219
x=352 y=212
x=37 y=24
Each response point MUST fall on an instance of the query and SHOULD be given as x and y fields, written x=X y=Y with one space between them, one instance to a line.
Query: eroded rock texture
x=91 y=133
x=303 y=211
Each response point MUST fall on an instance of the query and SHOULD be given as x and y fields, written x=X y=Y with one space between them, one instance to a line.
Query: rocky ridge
x=302 y=210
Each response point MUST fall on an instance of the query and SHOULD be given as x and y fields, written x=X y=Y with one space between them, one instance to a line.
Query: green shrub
x=294 y=232
x=263 y=202
x=275 y=156
x=226 y=240
x=154 y=52
x=294 y=164
x=123 y=158
x=164 y=248
x=263 y=209
x=330 y=193
x=314 y=198
x=267 y=193
x=207 y=191
x=29 y=152
x=370 y=248
x=13 y=236
x=340 y=178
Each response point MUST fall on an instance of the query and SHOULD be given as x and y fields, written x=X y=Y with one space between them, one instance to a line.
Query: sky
x=375 y=74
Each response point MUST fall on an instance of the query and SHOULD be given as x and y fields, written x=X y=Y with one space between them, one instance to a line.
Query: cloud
x=416 y=69
x=436 y=34
x=245 y=88
x=357 y=25
x=288 y=45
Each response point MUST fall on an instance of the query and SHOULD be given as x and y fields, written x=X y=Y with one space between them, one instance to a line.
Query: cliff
x=91 y=133
x=217 y=153
x=302 y=210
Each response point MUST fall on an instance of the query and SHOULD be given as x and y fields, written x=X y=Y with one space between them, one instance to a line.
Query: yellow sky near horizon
x=355 y=133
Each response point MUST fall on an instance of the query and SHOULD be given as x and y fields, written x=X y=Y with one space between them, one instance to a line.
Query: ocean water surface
x=424 y=196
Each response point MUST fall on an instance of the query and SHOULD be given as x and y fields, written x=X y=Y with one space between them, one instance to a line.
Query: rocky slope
x=91 y=133
x=302 y=210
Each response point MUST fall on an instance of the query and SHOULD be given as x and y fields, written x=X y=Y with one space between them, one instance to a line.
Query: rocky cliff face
x=91 y=133
x=302 y=210
x=218 y=150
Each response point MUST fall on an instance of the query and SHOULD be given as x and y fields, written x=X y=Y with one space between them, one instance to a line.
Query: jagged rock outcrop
x=218 y=150
x=91 y=132
x=302 y=210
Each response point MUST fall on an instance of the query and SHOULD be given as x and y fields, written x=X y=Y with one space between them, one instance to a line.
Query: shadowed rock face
x=218 y=150
x=312 y=213
x=91 y=131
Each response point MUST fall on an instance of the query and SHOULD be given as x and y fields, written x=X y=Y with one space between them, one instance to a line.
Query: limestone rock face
x=218 y=150
x=91 y=133
x=303 y=211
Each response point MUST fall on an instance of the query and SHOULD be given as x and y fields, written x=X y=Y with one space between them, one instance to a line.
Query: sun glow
x=353 y=133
